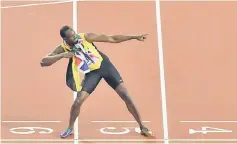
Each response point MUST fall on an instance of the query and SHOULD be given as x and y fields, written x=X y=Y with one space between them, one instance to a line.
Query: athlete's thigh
x=91 y=81
x=112 y=75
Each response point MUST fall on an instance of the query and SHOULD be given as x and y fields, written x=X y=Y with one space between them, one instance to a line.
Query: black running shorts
x=107 y=71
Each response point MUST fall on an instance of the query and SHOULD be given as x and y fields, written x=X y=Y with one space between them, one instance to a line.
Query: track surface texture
x=199 y=50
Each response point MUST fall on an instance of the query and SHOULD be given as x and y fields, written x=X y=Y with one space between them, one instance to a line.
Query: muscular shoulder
x=93 y=37
x=89 y=36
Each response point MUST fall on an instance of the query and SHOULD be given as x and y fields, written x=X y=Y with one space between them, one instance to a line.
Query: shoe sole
x=147 y=134
x=66 y=135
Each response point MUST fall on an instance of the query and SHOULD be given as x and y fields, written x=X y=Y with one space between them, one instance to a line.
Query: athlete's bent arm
x=55 y=56
x=92 y=37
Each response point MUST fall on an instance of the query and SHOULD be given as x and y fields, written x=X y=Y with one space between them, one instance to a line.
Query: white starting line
x=120 y=140
x=110 y=130
x=26 y=121
x=205 y=121
x=55 y=121
x=116 y=121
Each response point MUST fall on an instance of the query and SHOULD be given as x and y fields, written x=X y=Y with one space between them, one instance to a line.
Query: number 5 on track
x=205 y=130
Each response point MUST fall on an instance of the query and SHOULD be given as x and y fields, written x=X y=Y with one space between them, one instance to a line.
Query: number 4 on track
x=205 y=130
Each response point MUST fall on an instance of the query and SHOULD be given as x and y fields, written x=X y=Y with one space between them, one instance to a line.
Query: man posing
x=84 y=57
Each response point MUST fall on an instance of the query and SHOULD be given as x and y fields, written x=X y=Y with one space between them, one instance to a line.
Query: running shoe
x=66 y=133
x=146 y=132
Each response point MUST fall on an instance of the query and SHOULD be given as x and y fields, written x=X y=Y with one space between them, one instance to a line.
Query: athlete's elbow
x=114 y=41
x=44 y=64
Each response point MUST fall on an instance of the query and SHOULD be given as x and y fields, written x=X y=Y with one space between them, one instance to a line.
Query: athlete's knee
x=81 y=97
x=121 y=89
x=123 y=93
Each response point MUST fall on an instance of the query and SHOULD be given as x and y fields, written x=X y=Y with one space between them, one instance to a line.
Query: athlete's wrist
x=134 y=37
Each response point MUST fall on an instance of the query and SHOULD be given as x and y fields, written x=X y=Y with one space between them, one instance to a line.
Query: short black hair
x=63 y=30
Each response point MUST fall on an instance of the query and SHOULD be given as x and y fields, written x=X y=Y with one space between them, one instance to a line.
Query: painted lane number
x=30 y=130
x=206 y=129
x=115 y=131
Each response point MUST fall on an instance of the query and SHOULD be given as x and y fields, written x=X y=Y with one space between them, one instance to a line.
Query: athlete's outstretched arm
x=92 y=37
x=55 y=56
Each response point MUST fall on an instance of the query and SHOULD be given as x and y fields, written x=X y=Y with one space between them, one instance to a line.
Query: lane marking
x=126 y=130
x=206 y=129
x=25 y=121
x=31 y=130
x=119 y=140
x=162 y=71
x=1 y=72
x=35 y=4
x=74 y=25
x=61 y=2
x=114 y=121
x=208 y=121
x=198 y=0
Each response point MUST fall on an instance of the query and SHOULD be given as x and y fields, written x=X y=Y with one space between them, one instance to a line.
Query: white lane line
x=35 y=4
x=75 y=25
x=116 y=121
x=60 y=2
x=26 y=121
x=162 y=71
x=1 y=72
x=233 y=121
x=119 y=140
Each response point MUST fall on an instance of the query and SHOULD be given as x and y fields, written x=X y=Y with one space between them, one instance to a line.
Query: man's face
x=70 y=37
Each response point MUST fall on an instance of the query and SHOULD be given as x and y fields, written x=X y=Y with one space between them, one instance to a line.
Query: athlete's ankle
x=142 y=127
